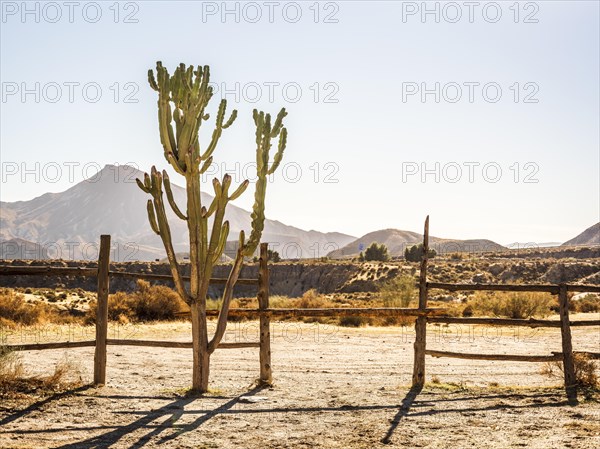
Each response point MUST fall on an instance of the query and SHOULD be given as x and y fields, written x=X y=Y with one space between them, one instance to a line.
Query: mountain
x=532 y=245
x=397 y=241
x=22 y=249
x=69 y=223
x=591 y=236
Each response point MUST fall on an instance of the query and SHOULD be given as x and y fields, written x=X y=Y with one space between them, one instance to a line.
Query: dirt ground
x=334 y=388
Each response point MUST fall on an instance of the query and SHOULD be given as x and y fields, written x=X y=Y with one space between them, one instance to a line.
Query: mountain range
x=69 y=224
x=397 y=241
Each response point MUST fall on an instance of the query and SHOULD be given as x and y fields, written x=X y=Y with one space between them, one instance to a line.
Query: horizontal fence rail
x=47 y=271
x=550 y=288
x=117 y=342
x=556 y=356
x=92 y=272
x=531 y=322
x=341 y=311
x=503 y=357
x=168 y=277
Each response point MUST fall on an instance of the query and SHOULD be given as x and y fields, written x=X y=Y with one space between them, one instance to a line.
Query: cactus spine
x=182 y=99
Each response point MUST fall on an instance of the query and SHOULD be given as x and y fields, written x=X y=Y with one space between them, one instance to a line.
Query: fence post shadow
x=39 y=404
x=407 y=403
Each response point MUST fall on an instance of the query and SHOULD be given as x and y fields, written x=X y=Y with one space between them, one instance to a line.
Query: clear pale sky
x=368 y=57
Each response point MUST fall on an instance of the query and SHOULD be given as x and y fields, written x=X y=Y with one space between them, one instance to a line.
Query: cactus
x=182 y=99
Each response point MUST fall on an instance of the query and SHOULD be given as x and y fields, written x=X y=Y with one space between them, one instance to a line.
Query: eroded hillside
x=294 y=278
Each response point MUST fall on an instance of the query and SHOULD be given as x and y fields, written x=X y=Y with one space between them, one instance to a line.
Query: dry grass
x=588 y=304
x=586 y=371
x=15 y=310
x=512 y=305
x=14 y=382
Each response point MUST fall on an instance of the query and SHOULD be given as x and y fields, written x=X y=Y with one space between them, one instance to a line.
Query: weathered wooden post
x=418 y=379
x=102 y=311
x=567 y=345
x=266 y=373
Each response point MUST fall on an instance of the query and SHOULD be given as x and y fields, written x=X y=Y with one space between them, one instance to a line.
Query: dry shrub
x=119 y=308
x=66 y=373
x=397 y=292
x=586 y=370
x=353 y=321
x=11 y=366
x=155 y=302
x=14 y=382
x=147 y=303
x=14 y=310
x=587 y=304
x=511 y=305
x=311 y=299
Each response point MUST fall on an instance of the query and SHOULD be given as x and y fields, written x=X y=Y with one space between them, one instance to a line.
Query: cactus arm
x=152 y=217
x=164 y=109
x=264 y=134
x=152 y=80
x=218 y=131
x=278 y=123
x=222 y=192
x=141 y=185
x=170 y=197
x=222 y=243
x=258 y=217
x=160 y=225
x=239 y=191
x=207 y=163
x=213 y=207
x=165 y=232
x=280 y=149
x=232 y=118
x=227 y=295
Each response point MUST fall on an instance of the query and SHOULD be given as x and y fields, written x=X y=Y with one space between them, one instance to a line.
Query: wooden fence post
x=102 y=311
x=418 y=378
x=567 y=345
x=266 y=373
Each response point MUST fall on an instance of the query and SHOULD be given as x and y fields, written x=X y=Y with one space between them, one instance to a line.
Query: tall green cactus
x=183 y=98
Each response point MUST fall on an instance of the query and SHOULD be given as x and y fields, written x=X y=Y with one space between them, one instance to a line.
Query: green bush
x=375 y=252
x=415 y=253
x=398 y=292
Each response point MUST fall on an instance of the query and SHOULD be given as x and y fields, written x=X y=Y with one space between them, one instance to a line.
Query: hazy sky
x=486 y=116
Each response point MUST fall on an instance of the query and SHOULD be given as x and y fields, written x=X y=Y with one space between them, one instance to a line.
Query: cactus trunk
x=200 y=354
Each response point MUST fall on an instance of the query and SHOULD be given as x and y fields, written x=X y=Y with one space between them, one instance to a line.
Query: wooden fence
x=423 y=314
x=103 y=274
x=565 y=324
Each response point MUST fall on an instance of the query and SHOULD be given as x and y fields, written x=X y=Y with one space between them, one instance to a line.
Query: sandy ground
x=334 y=388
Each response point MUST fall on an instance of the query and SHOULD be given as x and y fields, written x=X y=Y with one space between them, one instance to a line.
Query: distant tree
x=376 y=252
x=415 y=253
x=273 y=256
